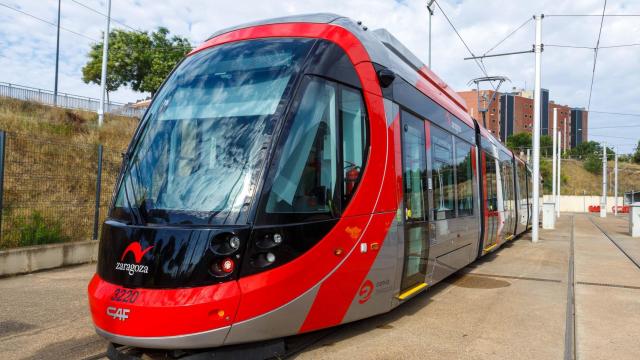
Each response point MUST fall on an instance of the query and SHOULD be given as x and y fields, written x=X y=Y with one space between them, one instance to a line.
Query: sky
x=27 y=45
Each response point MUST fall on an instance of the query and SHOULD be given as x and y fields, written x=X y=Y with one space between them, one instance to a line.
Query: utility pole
x=603 y=202
x=55 y=85
x=559 y=172
x=105 y=55
x=535 y=219
x=615 y=183
x=565 y=135
x=430 y=15
x=554 y=163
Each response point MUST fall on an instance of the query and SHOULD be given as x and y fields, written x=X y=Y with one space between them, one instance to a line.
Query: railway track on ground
x=634 y=261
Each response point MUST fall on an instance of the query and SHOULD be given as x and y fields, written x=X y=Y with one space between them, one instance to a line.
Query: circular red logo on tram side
x=365 y=292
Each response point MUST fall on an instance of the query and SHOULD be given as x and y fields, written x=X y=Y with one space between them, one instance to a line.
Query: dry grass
x=50 y=170
x=580 y=181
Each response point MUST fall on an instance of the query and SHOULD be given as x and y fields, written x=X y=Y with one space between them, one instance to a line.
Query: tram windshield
x=203 y=142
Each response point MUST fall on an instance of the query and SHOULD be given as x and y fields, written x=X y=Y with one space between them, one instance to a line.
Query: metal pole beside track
x=105 y=55
x=559 y=172
x=555 y=154
x=615 y=184
x=96 y=214
x=3 y=138
x=603 y=201
x=55 y=85
x=535 y=219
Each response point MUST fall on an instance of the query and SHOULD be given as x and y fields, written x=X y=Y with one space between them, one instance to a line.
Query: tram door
x=414 y=174
x=491 y=203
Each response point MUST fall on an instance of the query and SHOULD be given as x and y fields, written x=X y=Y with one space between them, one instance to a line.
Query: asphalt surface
x=516 y=303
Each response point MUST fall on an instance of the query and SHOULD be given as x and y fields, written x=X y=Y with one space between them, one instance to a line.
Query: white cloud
x=27 y=46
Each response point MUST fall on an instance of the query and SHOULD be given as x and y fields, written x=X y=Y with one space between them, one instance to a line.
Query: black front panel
x=263 y=253
x=167 y=257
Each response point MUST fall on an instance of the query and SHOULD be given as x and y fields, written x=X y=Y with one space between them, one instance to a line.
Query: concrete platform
x=512 y=304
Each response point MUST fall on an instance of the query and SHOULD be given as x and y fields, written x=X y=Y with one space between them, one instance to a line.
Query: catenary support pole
x=55 y=84
x=615 y=183
x=559 y=178
x=565 y=135
x=105 y=55
x=603 y=201
x=430 y=9
x=554 y=163
x=535 y=218
x=3 y=139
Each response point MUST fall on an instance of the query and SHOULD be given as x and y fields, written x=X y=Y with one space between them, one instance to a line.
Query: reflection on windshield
x=205 y=136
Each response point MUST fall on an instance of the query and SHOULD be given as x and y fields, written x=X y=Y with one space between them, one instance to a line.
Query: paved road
x=511 y=304
x=45 y=316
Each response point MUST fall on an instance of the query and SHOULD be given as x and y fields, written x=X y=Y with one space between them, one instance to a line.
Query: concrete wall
x=34 y=258
x=571 y=203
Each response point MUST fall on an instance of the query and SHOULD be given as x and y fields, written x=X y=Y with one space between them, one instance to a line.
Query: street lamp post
x=430 y=15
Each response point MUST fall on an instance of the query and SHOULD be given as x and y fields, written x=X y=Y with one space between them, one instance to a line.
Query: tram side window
x=464 y=177
x=305 y=176
x=354 y=139
x=442 y=175
x=492 y=200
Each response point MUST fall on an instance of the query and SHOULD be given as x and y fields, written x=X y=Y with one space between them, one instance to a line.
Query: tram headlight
x=234 y=242
x=277 y=238
x=270 y=257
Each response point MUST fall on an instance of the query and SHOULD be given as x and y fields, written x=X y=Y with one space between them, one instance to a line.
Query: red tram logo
x=137 y=251
x=365 y=292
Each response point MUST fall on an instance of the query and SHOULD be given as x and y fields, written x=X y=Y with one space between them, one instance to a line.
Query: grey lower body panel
x=205 y=339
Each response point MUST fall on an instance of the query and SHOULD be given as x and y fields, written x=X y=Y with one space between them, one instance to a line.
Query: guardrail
x=65 y=100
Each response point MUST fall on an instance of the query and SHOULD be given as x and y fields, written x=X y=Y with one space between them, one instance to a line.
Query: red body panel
x=165 y=312
x=338 y=290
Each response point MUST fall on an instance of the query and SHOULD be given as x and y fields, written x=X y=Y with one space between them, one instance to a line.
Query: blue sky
x=27 y=46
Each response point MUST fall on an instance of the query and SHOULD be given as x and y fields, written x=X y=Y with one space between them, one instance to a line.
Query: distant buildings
x=512 y=112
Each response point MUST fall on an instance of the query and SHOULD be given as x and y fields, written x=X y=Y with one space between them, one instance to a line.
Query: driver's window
x=354 y=140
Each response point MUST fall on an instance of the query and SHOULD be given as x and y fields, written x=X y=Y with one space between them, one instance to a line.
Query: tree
x=522 y=141
x=136 y=59
x=636 y=155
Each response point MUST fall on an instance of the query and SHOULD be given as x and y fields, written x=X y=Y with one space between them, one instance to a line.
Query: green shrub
x=37 y=230
x=593 y=164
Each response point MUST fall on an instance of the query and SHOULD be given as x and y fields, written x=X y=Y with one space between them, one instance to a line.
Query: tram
x=291 y=175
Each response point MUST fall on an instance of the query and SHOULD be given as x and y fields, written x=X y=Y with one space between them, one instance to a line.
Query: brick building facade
x=512 y=113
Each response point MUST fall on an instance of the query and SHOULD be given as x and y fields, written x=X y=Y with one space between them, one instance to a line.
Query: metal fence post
x=96 y=217
x=2 y=144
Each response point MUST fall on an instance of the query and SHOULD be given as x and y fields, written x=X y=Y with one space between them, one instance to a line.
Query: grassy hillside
x=579 y=181
x=50 y=171
x=72 y=126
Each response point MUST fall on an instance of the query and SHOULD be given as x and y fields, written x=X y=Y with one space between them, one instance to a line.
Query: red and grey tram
x=292 y=175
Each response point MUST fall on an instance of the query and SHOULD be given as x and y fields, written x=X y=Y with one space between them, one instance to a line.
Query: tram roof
x=383 y=49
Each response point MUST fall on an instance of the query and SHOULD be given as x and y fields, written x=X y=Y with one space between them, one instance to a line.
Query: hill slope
x=50 y=168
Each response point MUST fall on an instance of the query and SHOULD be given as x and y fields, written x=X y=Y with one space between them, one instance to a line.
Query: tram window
x=354 y=139
x=464 y=177
x=305 y=177
x=492 y=200
x=442 y=175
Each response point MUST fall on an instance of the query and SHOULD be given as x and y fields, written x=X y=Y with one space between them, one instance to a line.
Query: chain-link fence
x=53 y=191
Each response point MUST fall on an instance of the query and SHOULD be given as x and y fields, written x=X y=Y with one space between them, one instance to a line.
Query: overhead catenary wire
x=49 y=22
x=105 y=15
x=479 y=63
x=595 y=55
x=507 y=37
x=93 y=40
